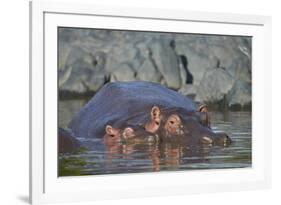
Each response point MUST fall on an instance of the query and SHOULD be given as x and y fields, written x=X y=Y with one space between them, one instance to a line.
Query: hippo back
x=124 y=101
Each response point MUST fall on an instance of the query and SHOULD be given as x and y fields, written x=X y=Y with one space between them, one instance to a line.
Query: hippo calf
x=144 y=112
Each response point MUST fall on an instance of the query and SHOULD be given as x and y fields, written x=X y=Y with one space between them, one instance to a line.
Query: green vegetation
x=81 y=150
x=70 y=166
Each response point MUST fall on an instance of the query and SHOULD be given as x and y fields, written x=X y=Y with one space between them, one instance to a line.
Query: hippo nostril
x=223 y=139
x=227 y=139
x=206 y=140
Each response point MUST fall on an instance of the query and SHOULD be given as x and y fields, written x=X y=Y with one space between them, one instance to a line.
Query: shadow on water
x=134 y=158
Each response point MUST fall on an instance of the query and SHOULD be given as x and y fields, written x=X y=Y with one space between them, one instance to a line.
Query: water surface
x=134 y=158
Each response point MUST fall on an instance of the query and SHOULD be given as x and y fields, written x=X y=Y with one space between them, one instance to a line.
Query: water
x=134 y=158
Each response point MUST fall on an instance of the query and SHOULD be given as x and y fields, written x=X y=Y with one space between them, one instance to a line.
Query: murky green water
x=133 y=158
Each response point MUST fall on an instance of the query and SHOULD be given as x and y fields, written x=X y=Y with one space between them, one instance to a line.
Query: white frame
x=46 y=187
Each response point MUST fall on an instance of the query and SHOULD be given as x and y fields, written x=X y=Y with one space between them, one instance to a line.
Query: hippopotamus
x=67 y=142
x=144 y=112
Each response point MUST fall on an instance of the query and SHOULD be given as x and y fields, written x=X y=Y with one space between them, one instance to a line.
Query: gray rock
x=215 y=84
x=205 y=52
x=240 y=94
x=123 y=73
x=63 y=51
x=120 y=54
x=183 y=74
x=148 y=72
x=82 y=71
x=167 y=63
x=88 y=58
x=197 y=64
x=81 y=78
x=190 y=91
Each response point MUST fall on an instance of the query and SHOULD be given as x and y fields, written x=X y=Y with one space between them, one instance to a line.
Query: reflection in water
x=132 y=157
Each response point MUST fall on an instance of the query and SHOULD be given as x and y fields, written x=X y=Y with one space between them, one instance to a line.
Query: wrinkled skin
x=141 y=112
x=189 y=128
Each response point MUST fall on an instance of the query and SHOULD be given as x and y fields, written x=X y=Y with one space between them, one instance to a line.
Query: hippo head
x=171 y=124
x=129 y=134
x=178 y=124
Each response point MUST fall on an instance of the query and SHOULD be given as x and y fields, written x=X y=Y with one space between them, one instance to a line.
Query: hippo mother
x=143 y=110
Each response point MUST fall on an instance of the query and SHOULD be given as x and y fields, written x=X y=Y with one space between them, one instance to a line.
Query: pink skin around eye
x=173 y=124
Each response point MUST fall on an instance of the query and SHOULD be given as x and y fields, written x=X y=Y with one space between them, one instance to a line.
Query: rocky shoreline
x=209 y=68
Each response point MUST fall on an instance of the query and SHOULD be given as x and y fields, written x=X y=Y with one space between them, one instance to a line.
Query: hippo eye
x=172 y=122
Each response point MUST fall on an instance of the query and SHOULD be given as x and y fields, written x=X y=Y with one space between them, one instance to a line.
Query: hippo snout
x=222 y=139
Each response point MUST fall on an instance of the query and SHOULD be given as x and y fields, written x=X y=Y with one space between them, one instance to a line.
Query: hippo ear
x=155 y=114
x=204 y=114
x=154 y=123
x=111 y=131
x=202 y=108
